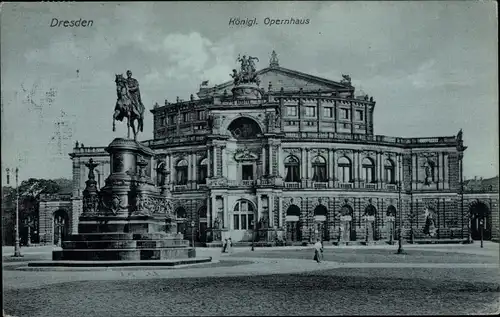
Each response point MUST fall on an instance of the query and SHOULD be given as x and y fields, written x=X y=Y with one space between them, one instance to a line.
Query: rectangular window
x=311 y=111
x=344 y=113
x=359 y=115
x=185 y=117
x=236 y=220
x=328 y=112
x=201 y=115
x=243 y=222
x=247 y=172
x=171 y=119
x=291 y=111
x=250 y=219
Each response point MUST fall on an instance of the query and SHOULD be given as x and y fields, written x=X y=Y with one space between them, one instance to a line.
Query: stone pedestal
x=390 y=229
x=369 y=230
x=247 y=91
x=344 y=234
x=129 y=218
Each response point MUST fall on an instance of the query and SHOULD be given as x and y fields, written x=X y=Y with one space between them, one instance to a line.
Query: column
x=377 y=169
x=172 y=170
x=414 y=171
x=195 y=170
x=355 y=167
x=334 y=166
x=270 y=208
x=209 y=211
x=278 y=160
x=224 y=162
x=190 y=169
x=215 y=161
x=309 y=166
x=225 y=212
x=330 y=167
x=396 y=172
x=259 y=208
x=446 y=177
x=271 y=158
x=381 y=167
x=302 y=164
x=209 y=160
x=215 y=211
x=281 y=164
x=263 y=158
x=280 y=211
x=442 y=173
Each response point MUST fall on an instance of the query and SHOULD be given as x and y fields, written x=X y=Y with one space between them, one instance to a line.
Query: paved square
x=429 y=280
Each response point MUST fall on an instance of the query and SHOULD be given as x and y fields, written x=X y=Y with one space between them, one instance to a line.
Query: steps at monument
x=126 y=244
x=123 y=254
x=97 y=236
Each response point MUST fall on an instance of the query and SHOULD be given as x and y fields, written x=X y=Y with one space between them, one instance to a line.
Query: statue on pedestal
x=91 y=198
x=129 y=104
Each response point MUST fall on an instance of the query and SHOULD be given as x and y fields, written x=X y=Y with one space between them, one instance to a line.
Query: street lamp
x=17 y=247
x=192 y=232
x=252 y=223
x=481 y=224
x=400 y=242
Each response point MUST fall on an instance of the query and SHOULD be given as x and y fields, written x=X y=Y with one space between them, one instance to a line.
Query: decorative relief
x=118 y=162
x=344 y=152
x=113 y=203
x=245 y=155
x=319 y=151
x=292 y=150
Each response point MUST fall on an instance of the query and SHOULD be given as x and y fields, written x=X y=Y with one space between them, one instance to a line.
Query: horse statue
x=129 y=104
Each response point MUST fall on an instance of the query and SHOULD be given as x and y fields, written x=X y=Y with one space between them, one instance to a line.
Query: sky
x=431 y=67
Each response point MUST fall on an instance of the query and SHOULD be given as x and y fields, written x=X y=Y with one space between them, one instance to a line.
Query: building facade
x=296 y=161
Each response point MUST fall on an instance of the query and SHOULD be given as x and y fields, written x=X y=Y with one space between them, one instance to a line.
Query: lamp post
x=481 y=224
x=252 y=223
x=17 y=247
x=400 y=240
x=192 y=232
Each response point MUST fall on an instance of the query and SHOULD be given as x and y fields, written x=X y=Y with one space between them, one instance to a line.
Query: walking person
x=318 y=251
x=229 y=245
x=224 y=246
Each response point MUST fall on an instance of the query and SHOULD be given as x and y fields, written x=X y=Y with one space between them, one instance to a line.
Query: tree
x=29 y=202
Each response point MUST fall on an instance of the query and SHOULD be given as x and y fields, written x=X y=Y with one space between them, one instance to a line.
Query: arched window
x=368 y=170
x=292 y=169
x=160 y=174
x=319 y=169
x=391 y=211
x=389 y=172
x=202 y=212
x=182 y=172
x=203 y=171
x=344 y=170
x=370 y=210
x=243 y=215
x=244 y=128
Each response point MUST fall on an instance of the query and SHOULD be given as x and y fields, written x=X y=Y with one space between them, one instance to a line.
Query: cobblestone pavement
x=269 y=281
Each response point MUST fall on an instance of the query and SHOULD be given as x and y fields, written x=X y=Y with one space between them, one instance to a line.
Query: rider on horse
x=129 y=103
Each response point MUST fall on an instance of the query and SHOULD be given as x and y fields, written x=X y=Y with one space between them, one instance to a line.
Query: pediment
x=289 y=80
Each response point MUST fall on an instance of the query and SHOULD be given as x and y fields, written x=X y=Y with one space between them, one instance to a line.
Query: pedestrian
x=318 y=251
x=224 y=246
x=229 y=245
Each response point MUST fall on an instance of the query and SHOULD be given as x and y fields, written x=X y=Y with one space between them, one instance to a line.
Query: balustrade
x=320 y=185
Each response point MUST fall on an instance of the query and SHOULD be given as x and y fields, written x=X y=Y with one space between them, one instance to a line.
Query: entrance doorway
x=480 y=216
x=61 y=224
x=293 y=226
x=202 y=230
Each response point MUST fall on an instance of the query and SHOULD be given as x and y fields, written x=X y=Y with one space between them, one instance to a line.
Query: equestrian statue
x=129 y=104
